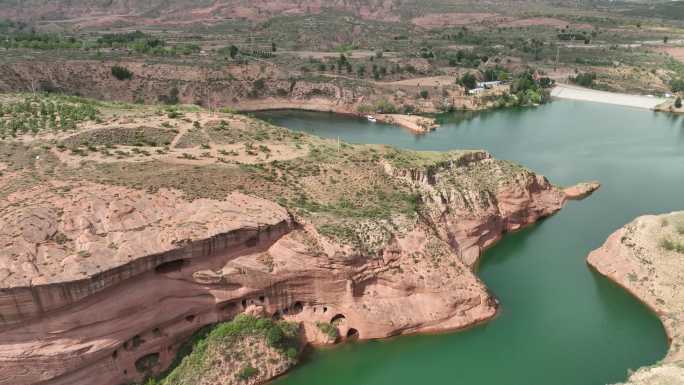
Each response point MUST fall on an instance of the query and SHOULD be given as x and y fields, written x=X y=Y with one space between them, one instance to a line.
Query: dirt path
x=565 y=91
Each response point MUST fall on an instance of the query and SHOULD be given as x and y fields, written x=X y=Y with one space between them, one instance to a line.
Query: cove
x=560 y=323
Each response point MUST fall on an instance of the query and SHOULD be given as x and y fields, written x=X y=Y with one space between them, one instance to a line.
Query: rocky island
x=128 y=230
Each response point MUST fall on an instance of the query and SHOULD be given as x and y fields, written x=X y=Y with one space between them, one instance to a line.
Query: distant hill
x=187 y=11
x=106 y=13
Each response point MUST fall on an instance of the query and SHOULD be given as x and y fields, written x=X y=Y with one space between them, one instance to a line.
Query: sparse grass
x=140 y=136
x=671 y=245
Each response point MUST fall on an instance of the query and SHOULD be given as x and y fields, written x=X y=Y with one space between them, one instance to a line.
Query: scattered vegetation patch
x=126 y=136
x=671 y=245
x=37 y=113
x=329 y=329
x=227 y=343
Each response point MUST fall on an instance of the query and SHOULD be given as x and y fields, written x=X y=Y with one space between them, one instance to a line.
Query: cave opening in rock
x=251 y=242
x=276 y=316
x=170 y=266
x=190 y=318
x=337 y=319
x=297 y=308
x=244 y=303
x=145 y=363
x=352 y=334
x=262 y=299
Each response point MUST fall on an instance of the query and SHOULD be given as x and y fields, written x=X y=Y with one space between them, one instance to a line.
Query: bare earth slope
x=646 y=257
x=105 y=13
x=114 y=252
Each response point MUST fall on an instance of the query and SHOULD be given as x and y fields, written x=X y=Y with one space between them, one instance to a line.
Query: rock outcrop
x=108 y=266
x=581 y=190
x=646 y=257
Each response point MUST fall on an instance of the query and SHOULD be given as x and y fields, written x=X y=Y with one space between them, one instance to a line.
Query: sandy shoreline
x=565 y=91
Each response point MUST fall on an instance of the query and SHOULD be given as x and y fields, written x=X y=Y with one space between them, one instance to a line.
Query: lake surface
x=560 y=323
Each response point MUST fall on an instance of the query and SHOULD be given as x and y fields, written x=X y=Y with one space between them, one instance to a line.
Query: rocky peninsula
x=129 y=229
x=646 y=257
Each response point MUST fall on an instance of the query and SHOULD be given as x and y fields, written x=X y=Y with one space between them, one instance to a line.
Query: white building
x=488 y=84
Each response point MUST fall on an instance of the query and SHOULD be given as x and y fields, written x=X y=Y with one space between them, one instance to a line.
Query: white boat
x=371 y=118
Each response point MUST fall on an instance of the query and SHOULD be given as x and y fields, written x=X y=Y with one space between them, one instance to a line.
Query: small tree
x=677 y=85
x=678 y=102
x=424 y=94
x=666 y=39
x=233 y=51
x=468 y=81
x=273 y=47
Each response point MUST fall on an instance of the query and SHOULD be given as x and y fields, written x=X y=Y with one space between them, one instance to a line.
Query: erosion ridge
x=646 y=258
x=119 y=248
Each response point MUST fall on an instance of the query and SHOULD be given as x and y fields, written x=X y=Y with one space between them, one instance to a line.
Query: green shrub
x=328 y=329
x=671 y=245
x=384 y=106
x=678 y=102
x=468 y=81
x=122 y=73
x=364 y=108
x=247 y=372
x=677 y=85
x=584 y=79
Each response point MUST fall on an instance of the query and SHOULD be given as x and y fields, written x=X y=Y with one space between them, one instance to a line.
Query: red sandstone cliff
x=96 y=277
x=109 y=264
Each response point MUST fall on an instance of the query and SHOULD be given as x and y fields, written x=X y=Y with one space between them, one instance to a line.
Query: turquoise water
x=560 y=323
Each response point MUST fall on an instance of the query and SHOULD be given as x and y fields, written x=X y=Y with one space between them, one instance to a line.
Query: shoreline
x=436 y=330
x=571 y=92
x=653 y=284
x=619 y=282
x=415 y=123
